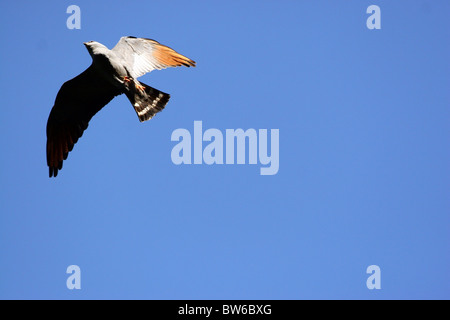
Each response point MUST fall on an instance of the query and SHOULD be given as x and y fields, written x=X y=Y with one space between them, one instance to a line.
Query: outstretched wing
x=76 y=103
x=142 y=55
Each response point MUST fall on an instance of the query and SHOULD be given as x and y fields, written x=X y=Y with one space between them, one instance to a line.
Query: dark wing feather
x=76 y=103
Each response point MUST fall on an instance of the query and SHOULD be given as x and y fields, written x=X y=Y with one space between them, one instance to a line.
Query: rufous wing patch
x=169 y=57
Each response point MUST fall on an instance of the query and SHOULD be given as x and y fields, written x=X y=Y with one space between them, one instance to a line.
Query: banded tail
x=147 y=102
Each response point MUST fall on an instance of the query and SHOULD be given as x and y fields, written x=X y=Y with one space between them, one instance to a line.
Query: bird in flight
x=111 y=73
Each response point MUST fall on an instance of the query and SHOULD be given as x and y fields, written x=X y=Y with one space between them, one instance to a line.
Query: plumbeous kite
x=111 y=73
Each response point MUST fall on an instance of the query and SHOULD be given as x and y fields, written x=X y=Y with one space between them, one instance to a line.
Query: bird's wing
x=142 y=55
x=76 y=103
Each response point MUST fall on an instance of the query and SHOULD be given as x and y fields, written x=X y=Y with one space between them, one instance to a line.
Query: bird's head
x=95 y=47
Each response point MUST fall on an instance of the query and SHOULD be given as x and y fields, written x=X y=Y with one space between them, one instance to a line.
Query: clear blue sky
x=364 y=175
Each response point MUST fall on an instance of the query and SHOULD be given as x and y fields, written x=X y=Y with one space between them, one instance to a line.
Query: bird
x=111 y=73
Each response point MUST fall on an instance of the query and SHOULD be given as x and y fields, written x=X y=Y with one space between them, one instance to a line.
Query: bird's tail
x=146 y=101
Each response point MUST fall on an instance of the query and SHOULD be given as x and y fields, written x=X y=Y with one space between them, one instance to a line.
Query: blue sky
x=363 y=117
